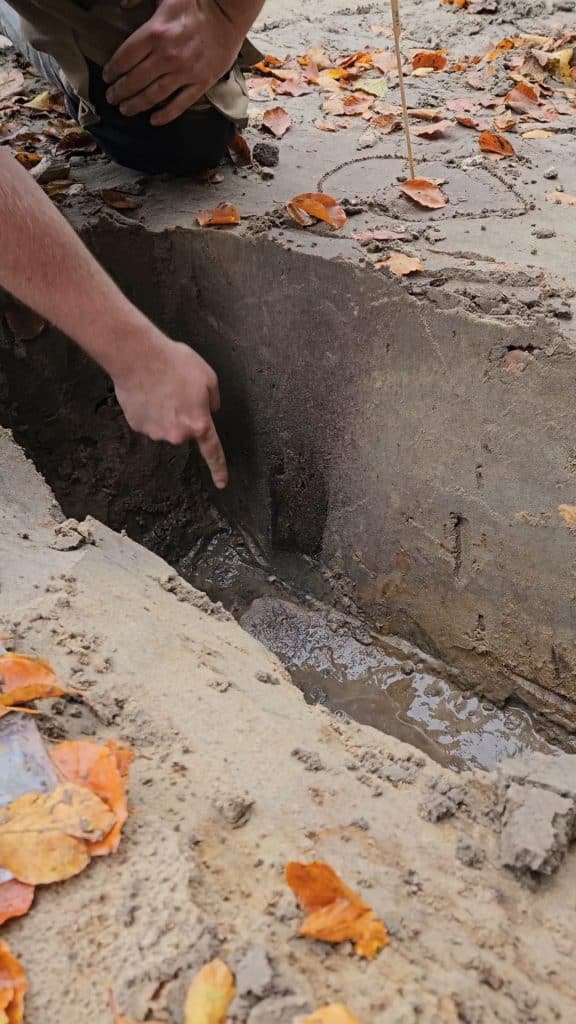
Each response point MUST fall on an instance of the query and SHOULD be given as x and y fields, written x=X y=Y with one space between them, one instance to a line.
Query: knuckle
x=199 y=428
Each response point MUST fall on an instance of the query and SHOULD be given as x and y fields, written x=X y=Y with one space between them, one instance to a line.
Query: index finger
x=133 y=50
x=213 y=454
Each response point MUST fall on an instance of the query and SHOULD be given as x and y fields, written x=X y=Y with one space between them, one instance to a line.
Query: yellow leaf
x=45 y=837
x=210 y=995
x=336 y=1013
x=537 y=133
x=568 y=513
x=401 y=265
x=23 y=678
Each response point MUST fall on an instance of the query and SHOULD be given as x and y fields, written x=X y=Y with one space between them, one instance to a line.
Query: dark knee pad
x=195 y=142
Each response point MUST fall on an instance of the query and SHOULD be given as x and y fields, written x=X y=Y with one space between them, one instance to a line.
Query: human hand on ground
x=176 y=56
x=170 y=394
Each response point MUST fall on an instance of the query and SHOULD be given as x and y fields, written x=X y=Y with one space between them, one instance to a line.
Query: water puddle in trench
x=337 y=661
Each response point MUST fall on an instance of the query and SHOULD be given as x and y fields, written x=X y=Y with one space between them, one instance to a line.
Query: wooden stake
x=397 y=32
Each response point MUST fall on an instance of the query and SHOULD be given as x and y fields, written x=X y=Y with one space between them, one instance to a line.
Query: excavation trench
x=377 y=528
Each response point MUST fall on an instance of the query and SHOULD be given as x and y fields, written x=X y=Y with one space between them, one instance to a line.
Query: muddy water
x=339 y=662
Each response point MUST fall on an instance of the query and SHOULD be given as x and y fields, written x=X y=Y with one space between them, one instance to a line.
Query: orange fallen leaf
x=432 y=131
x=491 y=142
x=505 y=122
x=24 y=323
x=525 y=99
x=27 y=160
x=325 y=126
x=239 y=151
x=424 y=192
x=466 y=121
x=335 y=912
x=210 y=995
x=360 y=103
x=224 y=213
x=294 y=87
x=76 y=138
x=16 y=898
x=361 y=57
x=277 y=120
x=336 y=1013
x=311 y=206
x=401 y=265
x=568 y=513
x=436 y=60
x=502 y=47
x=387 y=122
x=46 y=837
x=426 y=113
x=23 y=678
x=561 y=199
x=101 y=769
x=13 y=986
x=119 y=200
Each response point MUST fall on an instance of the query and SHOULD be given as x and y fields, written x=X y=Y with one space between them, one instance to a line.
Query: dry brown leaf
x=561 y=199
x=309 y=207
x=568 y=513
x=435 y=60
x=261 y=90
x=462 y=103
x=361 y=58
x=76 y=138
x=318 y=56
x=401 y=265
x=336 y=1013
x=491 y=142
x=119 y=200
x=239 y=151
x=24 y=323
x=23 y=678
x=277 y=120
x=505 y=122
x=525 y=99
x=502 y=47
x=16 y=898
x=103 y=770
x=45 y=837
x=538 y=133
x=467 y=122
x=424 y=192
x=27 y=159
x=13 y=986
x=224 y=213
x=432 y=131
x=46 y=101
x=336 y=913
x=294 y=87
x=325 y=126
x=210 y=995
x=385 y=61
x=388 y=123
x=427 y=113
x=359 y=103
x=11 y=82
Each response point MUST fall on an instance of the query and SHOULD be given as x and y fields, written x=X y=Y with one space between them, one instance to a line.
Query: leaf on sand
x=277 y=120
x=401 y=265
x=23 y=678
x=427 y=113
x=13 y=987
x=103 y=770
x=16 y=898
x=27 y=159
x=336 y=913
x=424 y=192
x=45 y=837
x=45 y=101
x=11 y=82
x=240 y=152
x=432 y=131
x=210 y=995
x=222 y=214
x=24 y=323
x=309 y=207
x=561 y=199
x=568 y=513
x=119 y=200
x=325 y=126
x=436 y=60
x=538 y=133
x=491 y=142
x=525 y=99
x=336 y=1013
x=293 y=87
x=380 y=235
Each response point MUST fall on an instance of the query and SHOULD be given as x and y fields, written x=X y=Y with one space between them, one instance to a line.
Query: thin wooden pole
x=397 y=32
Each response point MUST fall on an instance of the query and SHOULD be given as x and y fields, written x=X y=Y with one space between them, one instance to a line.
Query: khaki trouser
x=69 y=45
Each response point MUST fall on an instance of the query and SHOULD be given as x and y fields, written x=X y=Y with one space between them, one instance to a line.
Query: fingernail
x=105 y=74
x=110 y=96
x=124 y=108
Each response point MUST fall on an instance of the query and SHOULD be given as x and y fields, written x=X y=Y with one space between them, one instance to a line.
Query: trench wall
x=421 y=454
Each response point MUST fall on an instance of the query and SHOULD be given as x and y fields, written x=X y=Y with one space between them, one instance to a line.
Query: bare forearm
x=45 y=265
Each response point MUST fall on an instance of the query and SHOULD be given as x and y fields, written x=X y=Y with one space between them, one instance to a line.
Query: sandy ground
x=235 y=776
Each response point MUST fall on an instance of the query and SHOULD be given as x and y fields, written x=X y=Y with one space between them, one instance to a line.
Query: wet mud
x=337 y=660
